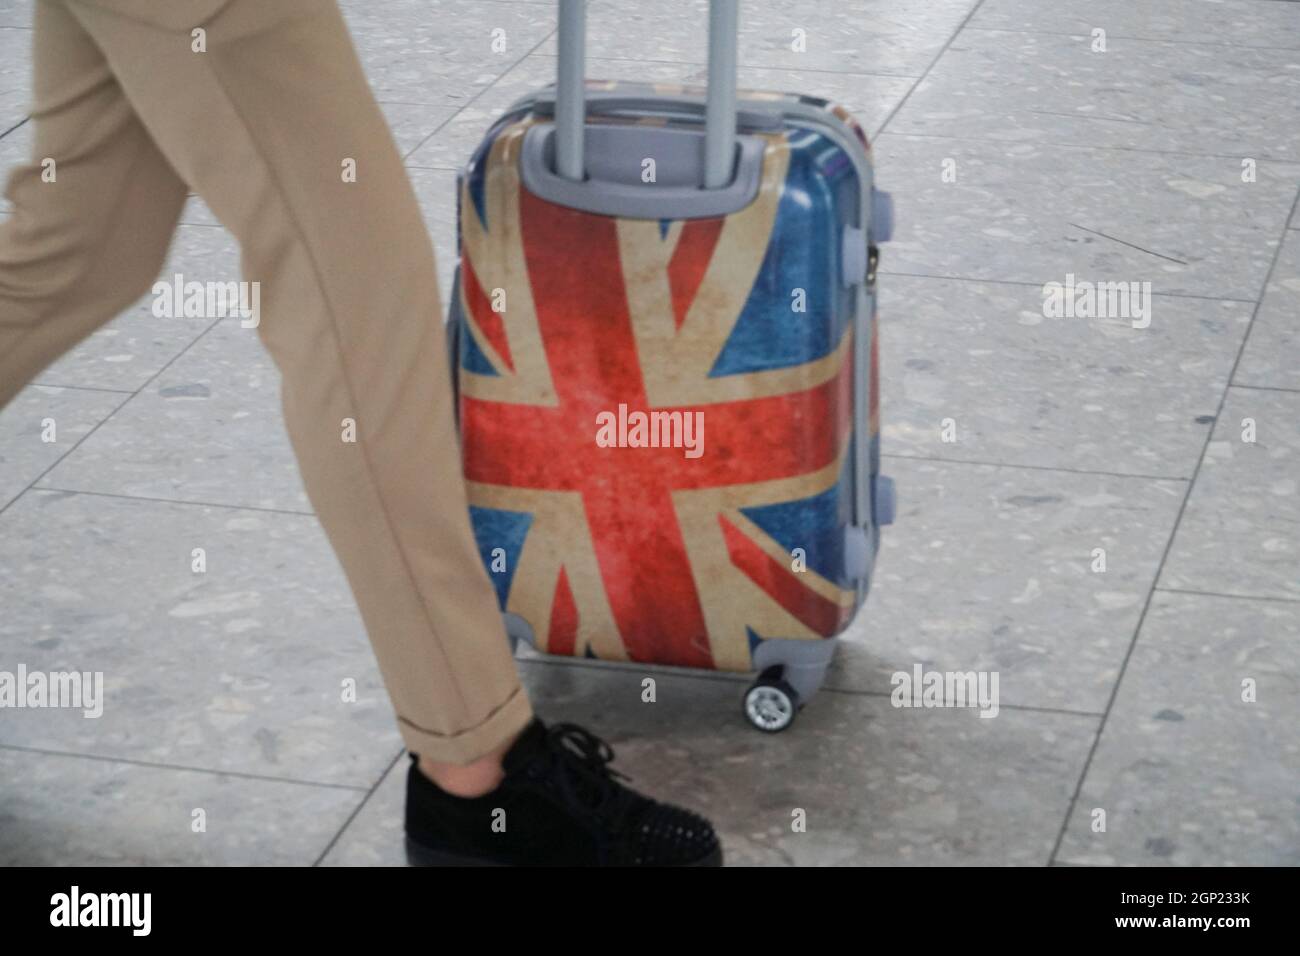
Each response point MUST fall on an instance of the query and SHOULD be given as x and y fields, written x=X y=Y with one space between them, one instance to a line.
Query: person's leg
x=262 y=123
x=266 y=123
x=94 y=209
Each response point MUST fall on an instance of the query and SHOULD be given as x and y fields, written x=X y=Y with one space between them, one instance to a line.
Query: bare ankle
x=470 y=780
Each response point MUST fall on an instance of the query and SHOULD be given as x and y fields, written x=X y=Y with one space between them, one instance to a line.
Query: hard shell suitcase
x=663 y=335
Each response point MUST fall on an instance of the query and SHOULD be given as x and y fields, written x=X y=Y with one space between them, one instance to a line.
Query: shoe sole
x=419 y=855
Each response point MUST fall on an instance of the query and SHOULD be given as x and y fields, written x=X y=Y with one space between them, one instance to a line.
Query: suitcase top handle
x=720 y=109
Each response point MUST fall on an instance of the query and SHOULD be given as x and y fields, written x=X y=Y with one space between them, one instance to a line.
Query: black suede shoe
x=559 y=805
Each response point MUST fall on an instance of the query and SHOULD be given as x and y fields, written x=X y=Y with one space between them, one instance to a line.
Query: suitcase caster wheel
x=771 y=703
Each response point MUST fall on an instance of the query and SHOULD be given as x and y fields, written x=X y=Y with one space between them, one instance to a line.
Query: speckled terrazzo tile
x=900 y=37
x=15 y=73
x=41 y=425
x=74 y=811
x=991 y=569
x=878 y=785
x=1023 y=87
x=16 y=13
x=14 y=107
x=375 y=836
x=1034 y=213
x=1240 y=533
x=1272 y=355
x=208 y=430
x=452 y=145
x=1077 y=393
x=197 y=213
x=1188 y=772
x=15 y=148
x=442 y=54
x=412 y=123
x=15 y=145
x=124 y=354
x=240 y=668
x=871 y=98
x=1236 y=22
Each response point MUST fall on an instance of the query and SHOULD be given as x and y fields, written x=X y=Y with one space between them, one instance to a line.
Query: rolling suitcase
x=663 y=337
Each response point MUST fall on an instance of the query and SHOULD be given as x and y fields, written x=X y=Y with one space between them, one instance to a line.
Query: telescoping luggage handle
x=720 y=108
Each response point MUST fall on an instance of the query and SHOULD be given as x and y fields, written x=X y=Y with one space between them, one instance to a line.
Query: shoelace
x=584 y=773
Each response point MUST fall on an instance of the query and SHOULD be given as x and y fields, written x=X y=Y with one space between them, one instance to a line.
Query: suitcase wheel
x=770 y=703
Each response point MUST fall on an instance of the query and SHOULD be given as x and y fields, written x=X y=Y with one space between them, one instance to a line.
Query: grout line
x=988 y=140
x=473 y=99
x=155 y=765
x=17 y=125
x=1238 y=597
x=1136 y=39
x=81 y=388
x=75 y=445
x=1164 y=557
x=1051 y=468
x=1123 y=242
x=1039 y=285
x=357 y=809
x=1265 y=388
x=177 y=501
x=108 y=417
x=919 y=80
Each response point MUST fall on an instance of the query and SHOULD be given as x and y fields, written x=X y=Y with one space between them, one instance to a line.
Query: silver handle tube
x=570 y=105
x=720 y=111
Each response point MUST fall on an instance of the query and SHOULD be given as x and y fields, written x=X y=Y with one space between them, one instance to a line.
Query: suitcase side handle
x=720 y=107
x=606 y=103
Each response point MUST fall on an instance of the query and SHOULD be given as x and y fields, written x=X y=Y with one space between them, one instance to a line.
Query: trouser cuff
x=467 y=746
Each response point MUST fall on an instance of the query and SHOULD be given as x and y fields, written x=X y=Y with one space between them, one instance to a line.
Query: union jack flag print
x=644 y=553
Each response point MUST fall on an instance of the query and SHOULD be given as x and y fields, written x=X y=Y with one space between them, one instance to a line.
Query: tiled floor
x=1162 y=691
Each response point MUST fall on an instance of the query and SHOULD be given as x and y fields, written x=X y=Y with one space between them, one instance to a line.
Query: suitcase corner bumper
x=884 y=505
x=882 y=215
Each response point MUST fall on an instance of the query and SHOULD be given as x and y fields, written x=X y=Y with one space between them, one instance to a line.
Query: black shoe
x=559 y=805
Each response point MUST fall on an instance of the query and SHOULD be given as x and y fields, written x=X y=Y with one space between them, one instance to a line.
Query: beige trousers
x=260 y=124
